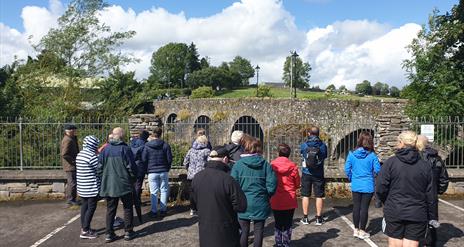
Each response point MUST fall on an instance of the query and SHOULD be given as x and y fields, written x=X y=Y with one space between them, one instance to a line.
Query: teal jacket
x=117 y=170
x=258 y=182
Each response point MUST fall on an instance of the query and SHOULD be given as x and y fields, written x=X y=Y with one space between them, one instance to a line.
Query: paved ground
x=25 y=223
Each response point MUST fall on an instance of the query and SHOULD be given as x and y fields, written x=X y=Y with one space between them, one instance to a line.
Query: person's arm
x=101 y=162
x=271 y=180
x=382 y=183
x=323 y=150
x=130 y=163
x=296 y=177
x=348 y=166
x=376 y=165
x=431 y=196
x=236 y=196
x=168 y=155
x=66 y=152
x=443 y=178
x=186 y=162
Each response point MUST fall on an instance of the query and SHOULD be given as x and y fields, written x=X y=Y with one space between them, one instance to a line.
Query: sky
x=344 y=41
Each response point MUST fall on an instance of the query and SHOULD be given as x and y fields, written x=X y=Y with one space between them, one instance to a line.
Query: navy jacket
x=314 y=141
x=157 y=156
x=137 y=145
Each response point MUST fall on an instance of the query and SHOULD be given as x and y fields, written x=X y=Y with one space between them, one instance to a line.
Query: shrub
x=179 y=150
x=263 y=91
x=202 y=92
x=183 y=114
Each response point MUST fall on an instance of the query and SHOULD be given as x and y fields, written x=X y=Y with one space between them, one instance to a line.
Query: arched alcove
x=250 y=126
x=348 y=143
x=202 y=122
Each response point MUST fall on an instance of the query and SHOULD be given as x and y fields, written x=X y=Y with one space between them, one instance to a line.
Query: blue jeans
x=159 y=182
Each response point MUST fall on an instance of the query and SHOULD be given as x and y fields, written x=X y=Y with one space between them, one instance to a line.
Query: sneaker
x=319 y=221
x=356 y=233
x=130 y=235
x=110 y=237
x=193 y=212
x=304 y=221
x=118 y=222
x=88 y=235
x=74 y=203
x=363 y=235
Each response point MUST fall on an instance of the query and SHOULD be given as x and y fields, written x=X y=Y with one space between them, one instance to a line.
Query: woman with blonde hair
x=405 y=186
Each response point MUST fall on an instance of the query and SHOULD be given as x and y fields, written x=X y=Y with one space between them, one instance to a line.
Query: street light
x=294 y=55
x=257 y=68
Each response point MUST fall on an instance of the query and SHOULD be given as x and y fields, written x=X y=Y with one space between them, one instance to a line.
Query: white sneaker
x=193 y=212
x=356 y=233
x=363 y=235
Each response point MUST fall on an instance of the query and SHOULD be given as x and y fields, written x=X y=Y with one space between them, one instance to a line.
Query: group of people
x=233 y=185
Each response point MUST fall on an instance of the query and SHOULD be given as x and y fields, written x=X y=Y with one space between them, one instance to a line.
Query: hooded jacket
x=235 y=150
x=258 y=182
x=218 y=198
x=314 y=141
x=196 y=158
x=88 y=184
x=405 y=186
x=288 y=181
x=361 y=167
x=137 y=145
x=117 y=170
x=157 y=156
x=440 y=174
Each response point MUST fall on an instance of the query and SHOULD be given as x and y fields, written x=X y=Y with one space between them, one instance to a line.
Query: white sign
x=428 y=130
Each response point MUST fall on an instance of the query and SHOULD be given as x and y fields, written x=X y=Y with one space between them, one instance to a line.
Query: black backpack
x=312 y=159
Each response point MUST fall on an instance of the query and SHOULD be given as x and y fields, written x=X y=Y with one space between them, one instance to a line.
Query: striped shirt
x=88 y=184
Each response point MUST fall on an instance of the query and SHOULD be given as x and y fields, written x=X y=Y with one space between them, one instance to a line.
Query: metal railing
x=35 y=144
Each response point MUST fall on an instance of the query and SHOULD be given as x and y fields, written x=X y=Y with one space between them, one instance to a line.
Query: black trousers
x=89 y=204
x=112 y=207
x=258 y=232
x=71 y=190
x=283 y=219
x=138 y=189
x=361 y=203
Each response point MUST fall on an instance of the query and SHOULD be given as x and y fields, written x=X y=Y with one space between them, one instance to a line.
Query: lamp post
x=257 y=68
x=293 y=55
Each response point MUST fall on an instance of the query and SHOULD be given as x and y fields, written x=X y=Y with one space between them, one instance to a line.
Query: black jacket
x=218 y=198
x=137 y=145
x=157 y=156
x=406 y=188
x=234 y=152
x=440 y=174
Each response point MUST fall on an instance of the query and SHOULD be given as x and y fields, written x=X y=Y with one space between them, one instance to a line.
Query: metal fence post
x=21 y=142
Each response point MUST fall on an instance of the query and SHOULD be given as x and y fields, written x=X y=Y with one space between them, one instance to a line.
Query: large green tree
x=300 y=72
x=436 y=67
x=364 y=88
x=243 y=67
x=168 y=64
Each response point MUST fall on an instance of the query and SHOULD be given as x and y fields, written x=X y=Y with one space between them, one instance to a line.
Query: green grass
x=285 y=93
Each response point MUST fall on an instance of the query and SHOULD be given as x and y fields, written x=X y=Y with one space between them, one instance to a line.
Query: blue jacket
x=137 y=145
x=361 y=167
x=314 y=141
x=157 y=156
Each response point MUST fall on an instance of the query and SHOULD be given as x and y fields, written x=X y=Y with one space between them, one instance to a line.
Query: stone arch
x=202 y=122
x=348 y=143
x=250 y=126
x=171 y=122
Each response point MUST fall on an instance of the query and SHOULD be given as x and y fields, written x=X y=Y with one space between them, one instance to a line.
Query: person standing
x=118 y=173
x=361 y=167
x=195 y=161
x=440 y=175
x=157 y=157
x=313 y=151
x=88 y=184
x=234 y=148
x=68 y=151
x=405 y=186
x=283 y=203
x=218 y=198
x=258 y=181
x=137 y=145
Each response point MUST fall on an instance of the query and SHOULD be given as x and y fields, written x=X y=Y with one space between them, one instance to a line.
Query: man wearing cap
x=217 y=198
x=68 y=152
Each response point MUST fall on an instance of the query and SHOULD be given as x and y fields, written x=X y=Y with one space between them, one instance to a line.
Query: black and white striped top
x=88 y=184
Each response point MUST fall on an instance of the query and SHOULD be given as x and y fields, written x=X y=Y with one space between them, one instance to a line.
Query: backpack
x=312 y=159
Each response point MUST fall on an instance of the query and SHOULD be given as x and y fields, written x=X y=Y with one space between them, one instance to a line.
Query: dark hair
x=157 y=131
x=284 y=150
x=143 y=135
x=365 y=141
x=252 y=145
x=314 y=131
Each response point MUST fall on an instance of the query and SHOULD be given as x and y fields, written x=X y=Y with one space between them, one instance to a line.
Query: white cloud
x=345 y=52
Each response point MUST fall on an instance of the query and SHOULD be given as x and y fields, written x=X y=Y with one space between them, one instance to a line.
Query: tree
x=204 y=62
x=385 y=89
x=394 y=92
x=243 y=67
x=331 y=87
x=364 y=88
x=168 y=64
x=11 y=102
x=215 y=77
x=377 y=88
x=436 y=67
x=300 y=71
x=192 y=59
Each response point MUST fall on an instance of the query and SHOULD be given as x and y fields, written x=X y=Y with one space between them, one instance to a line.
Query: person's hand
x=434 y=223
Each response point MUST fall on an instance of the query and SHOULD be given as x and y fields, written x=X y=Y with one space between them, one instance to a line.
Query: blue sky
x=345 y=41
x=307 y=13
